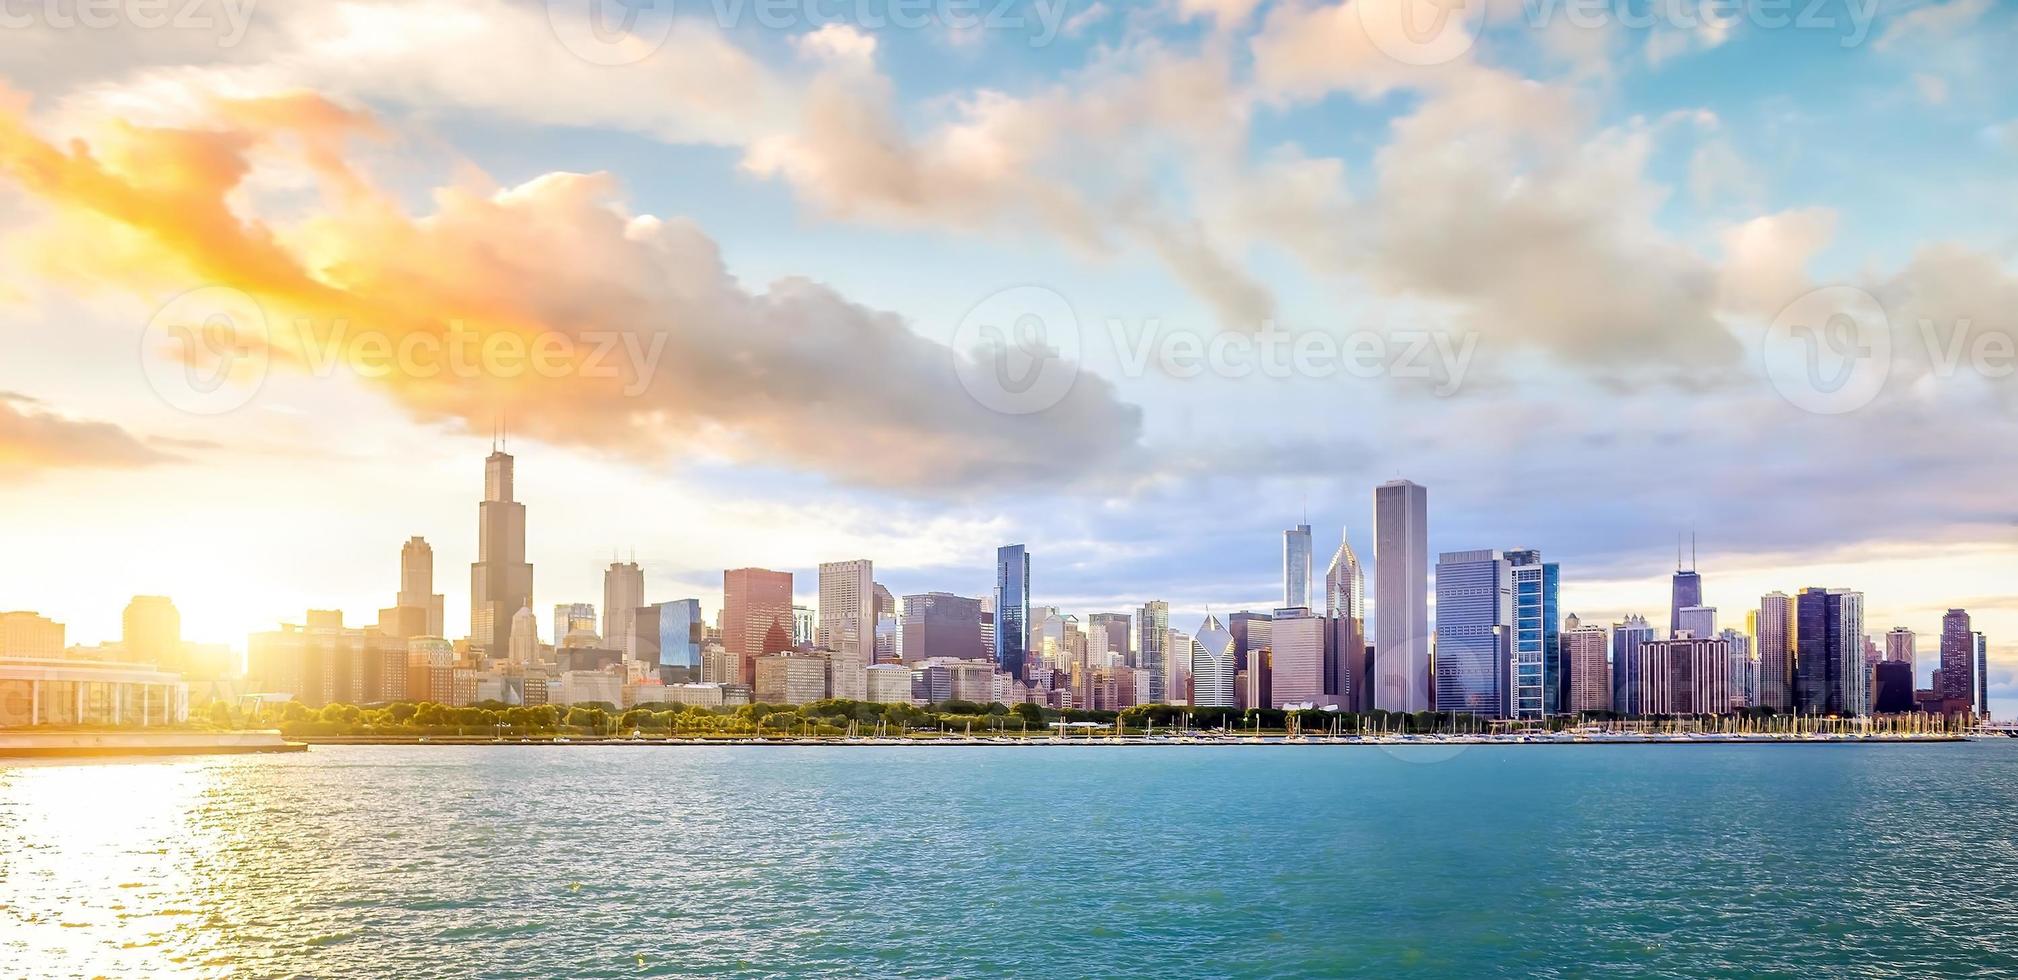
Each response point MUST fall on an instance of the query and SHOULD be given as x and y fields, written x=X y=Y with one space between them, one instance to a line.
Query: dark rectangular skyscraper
x=1829 y=652
x=940 y=624
x=1958 y=663
x=1012 y=608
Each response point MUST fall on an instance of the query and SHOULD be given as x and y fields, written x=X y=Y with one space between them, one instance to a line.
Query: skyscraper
x=1901 y=646
x=623 y=593
x=1958 y=663
x=1537 y=649
x=1685 y=676
x=848 y=624
x=500 y=580
x=1297 y=641
x=1743 y=668
x=416 y=583
x=756 y=617
x=1012 y=609
x=152 y=632
x=1629 y=641
x=1699 y=621
x=1296 y=566
x=1212 y=666
x=941 y=624
x=1829 y=652
x=1688 y=587
x=574 y=617
x=1773 y=634
x=1114 y=629
x=1475 y=634
x=1401 y=596
x=1152 y=636
x=1589 y=676
x=674 y=634
x=1344 y=585
x=1982 y=675
x=524 y=643
x=1250 y=635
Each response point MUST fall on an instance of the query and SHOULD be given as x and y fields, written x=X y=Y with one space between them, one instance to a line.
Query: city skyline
x=1496 y=615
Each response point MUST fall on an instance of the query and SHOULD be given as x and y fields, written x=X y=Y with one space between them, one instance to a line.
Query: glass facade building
x=1629 y=644
x=1539 y=667
x=1474 y=627
x=1012 y=608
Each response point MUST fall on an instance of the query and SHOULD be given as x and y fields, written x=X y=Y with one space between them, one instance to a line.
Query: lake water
x=1247 y=861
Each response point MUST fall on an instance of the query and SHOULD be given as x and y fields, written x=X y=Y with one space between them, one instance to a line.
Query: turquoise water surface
x=1179 y=861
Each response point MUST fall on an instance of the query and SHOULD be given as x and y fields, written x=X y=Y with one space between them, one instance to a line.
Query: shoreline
x=73 y=745
x=1107 y=742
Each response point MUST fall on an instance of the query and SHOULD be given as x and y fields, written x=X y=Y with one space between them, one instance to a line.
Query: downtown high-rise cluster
x=1499 y=646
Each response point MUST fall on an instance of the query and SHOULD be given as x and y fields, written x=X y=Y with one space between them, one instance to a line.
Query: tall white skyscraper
x=623 y=593
x=1401 y=596
x=1296 y=566
x=500 y=580
x=848 y=623
x=1344 y=583
x=1212 y=666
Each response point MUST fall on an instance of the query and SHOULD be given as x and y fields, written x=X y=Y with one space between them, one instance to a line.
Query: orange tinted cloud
x=547 y=302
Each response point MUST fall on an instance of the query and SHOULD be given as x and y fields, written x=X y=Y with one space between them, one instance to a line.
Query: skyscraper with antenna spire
x=500 y=580
x=1688 y=585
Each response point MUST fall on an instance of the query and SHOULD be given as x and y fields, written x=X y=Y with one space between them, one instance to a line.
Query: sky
x=769 y=283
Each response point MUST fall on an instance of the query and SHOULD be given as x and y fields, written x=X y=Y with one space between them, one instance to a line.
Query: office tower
x=1152 y=634
x=1115 y=627
x=1537 y=648
x=1955 y=683
x=576 y=620
x=1012 y=609
x=805 y=626
x=789 y=678
x=1829 y=652
x=152 y=632
x=756 y=617
x=889 y=647
x=1344 y=585
x=1212 y=665
x=322 y=662
x=1629 y=641
x=885 y=603
x=1296 y=566
x=847 y=624
x=30 y=635
x=1401 y=596
x=524 y=644
x=669 y=634
x=1699 y=621
x=1892 y=688
x=1773 y=635
x=1177 y=667
x=500 y=580
x=623 y=593
x=1982 y=675
x=1688 y=587
x=1685 y=676
x=1743 y=670
x=1297 y=640
x=416 y=583
x=941 y=624
x=1250 y=634
x=1901 y=646
x=1344 y=662
x=1589 y=675
x=1474 y=634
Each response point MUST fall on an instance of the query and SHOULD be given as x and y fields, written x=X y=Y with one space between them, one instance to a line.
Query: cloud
x=1766 y=258
x=1933 y=22
x=34 y=438
x=793 y=376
